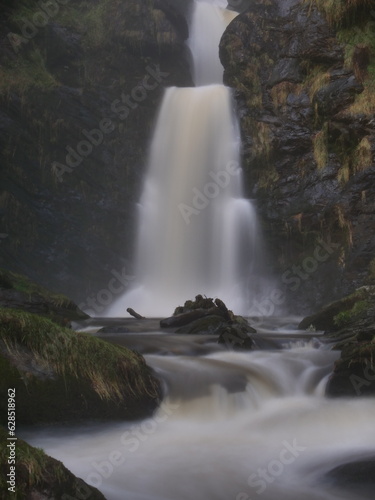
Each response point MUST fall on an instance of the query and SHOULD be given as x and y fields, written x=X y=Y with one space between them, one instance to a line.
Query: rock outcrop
x=303 y=79
x=78 y=99
x=349 y=324
x=205 y=315
x=61 y=376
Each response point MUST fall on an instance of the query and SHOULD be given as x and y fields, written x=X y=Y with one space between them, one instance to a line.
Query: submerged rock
x=359 y=474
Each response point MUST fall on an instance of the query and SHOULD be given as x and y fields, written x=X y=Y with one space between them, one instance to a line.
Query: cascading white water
x=235 y=426
x=197 y=234
x=208 y=24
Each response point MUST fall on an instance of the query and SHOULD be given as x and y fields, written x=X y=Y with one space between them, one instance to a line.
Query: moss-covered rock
x=60 y=375
x=354 y=372
x=18 y=292
x=350 y=326
x=39 y=476
x=205 y=315
x=341 y=312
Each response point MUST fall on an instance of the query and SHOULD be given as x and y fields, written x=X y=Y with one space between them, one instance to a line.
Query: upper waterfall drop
x=209 y=21
x=196 y=232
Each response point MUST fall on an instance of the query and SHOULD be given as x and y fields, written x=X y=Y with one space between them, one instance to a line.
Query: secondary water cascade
x=197 y=234
x=233 y=425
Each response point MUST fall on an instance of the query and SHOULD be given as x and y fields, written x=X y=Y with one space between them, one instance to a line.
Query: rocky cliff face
x=80 y=86
x=304 y=80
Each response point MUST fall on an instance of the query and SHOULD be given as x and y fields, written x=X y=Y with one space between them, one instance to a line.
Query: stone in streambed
x=208 y=316
x=205 y=325
x=359 y=476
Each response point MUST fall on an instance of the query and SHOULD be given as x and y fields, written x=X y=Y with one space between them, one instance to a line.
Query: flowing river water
x=232 y=425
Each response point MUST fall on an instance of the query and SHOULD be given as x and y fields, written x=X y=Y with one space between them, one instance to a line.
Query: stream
x=232 y=425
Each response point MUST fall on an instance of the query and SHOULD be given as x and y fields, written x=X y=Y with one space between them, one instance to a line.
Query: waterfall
x=196 y=232
x=208 y=24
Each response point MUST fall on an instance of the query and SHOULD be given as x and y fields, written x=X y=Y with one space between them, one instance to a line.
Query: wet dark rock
x=40 y=477
x=74 y=233
x=205 y=315
x=300 y=143
x=349 y=324
x=286 y=69
x=337 y=95
x=236 y=336
x=359 y=475
x=205 y=325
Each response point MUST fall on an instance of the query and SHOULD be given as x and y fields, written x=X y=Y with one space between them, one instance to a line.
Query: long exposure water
x=232 y=426
x=196 y=232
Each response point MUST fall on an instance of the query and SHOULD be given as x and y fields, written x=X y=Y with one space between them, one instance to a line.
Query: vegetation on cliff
x=64 y=69
x=304 y=79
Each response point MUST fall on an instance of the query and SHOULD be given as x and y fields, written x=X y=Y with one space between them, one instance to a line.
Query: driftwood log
x=134 y=314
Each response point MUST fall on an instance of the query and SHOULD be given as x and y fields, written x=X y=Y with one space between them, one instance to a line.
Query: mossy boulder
x=354 y=372
x=350 y=325
x=60 y=375
x=18 y=292
x=205 y=315
x=339 y=313
x=39 y=476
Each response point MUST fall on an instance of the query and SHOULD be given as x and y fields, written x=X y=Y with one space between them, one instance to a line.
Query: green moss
x=27 y=71
x=340 y=11
x=344 y=317
x=56 y=365
x=23 y=284
x=38 y=475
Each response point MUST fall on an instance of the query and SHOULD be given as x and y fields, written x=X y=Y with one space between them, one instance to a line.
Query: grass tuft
x=113 y=372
